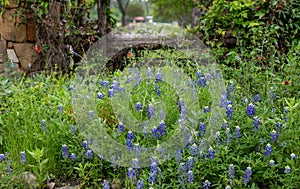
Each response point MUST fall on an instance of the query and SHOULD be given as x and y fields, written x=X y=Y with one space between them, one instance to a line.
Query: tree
x=123 y=4
x=134 y=10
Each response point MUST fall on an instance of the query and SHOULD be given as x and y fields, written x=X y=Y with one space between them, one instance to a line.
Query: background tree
x=134 y=10
x=123 y=4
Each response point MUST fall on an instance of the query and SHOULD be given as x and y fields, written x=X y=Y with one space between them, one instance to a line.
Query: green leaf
x=44 y=162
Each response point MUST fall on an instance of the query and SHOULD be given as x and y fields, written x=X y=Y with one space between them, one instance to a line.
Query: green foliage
x=134 y=10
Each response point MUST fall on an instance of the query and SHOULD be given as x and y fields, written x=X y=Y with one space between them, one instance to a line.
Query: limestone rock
x=30 y=28
x=13 y=4
x=26 y=54
x=11 y=27
x=2 y=51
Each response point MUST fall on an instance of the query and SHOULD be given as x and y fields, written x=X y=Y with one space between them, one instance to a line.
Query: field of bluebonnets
x=257 y=145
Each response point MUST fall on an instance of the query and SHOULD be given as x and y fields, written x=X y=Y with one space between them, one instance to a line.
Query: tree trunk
x=102 y=5
x=123 y=8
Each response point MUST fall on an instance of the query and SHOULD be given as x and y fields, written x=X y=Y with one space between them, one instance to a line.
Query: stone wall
x=17 y=37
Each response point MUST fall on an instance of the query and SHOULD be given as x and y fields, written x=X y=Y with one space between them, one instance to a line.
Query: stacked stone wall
x=17 y=37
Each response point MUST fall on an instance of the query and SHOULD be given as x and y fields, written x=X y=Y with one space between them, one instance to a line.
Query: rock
x=2 y=68
x=69 y=187
x=30 y=180
x=30 y=28
x=2 y=52
x=50 y=185
x=12 y=55
x=10 y=45
x=11 y=27
x=26 y=54
x=13 y=4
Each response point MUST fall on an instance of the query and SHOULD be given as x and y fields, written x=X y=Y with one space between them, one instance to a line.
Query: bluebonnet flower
x=268 y=150
x=279 y=127
x=152 y=178
x=89 y=154
x=247 y=175
x=206 y=184
x=274 y=136
x=105 y=83
x=84 y=144
x=189 y=164
x=284 y=118
x=140 y=184
x=202 y=128
x=223 y=101
x=138 y=106
x=73 y=129
x=100 y=95
x=154 y=169
x=65 y=151
x=225 y=125
x=43 y=124
x=199 y=74
x=73 y=157
x=158 y=77
x=293 y=156
x=114 y=85
x=229 y=111
x=180 y=104
x=130 y=135
x=250 y=110
x=130 y=173
x=194 y=149
x=72 y=88
x=206 y=109
x=181 y=171
x=287 y=169
x=23 y=156
x=105 y=184
x=237 y=132
x=256 y=122
x=91 y=114
x=60 y=108
x=158 y=92
x=190 y=175
x=8 y=169
x=110 y=93
x=120 y=127
x=256 y=98
x=271 y=162
x=129 y=144
x=231 y=171
x=135 y=163
x=211 y=153
x=150 y=111
x=286 y=110
x=162 y=115
x=178 y=156
x=231 y=86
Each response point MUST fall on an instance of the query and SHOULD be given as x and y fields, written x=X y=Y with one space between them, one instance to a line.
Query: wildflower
x=158 y=92
x=136 y=163
x=8 y=169
x=100 y=95
x=151 y=177
x=229 y=111
x=178 y=156
x=206 y=109
x=60 y=108
x=223 y=101
x=287 y=169
x=271 y=162
x=89 y=154
x=180 y=104
x=194 y=149
x=91 y=114
x=293 y=156
x=105 y=83
x=162 y=115
x=140 y=184
x=65 y=151
x=225 y=125
x=138 y=106
x=247 y=175
x=130 y=135
x=150 y=111
x=158 y=77
x=190 y=176
x=231 y=86
x=199 y=74
x=256 y=98
x=268 y=150
x=120 y=127
x=279 y=127
x=189 y=164
x=211 y=153
x=105 y=184
x=256 y=122
x=2 y=157
x=206 y=184
x=84 y=144
x=110 y=93
x=231 y=171
x=250 y=110
x=130 y=173
x=286 y=110
x=73 y=129
x=72 y=88
x=274 y=136
x=23 y=156
x=129 y=144
x=73 y=157
x=202 y=128
x=237 y=132
x=43 y=124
